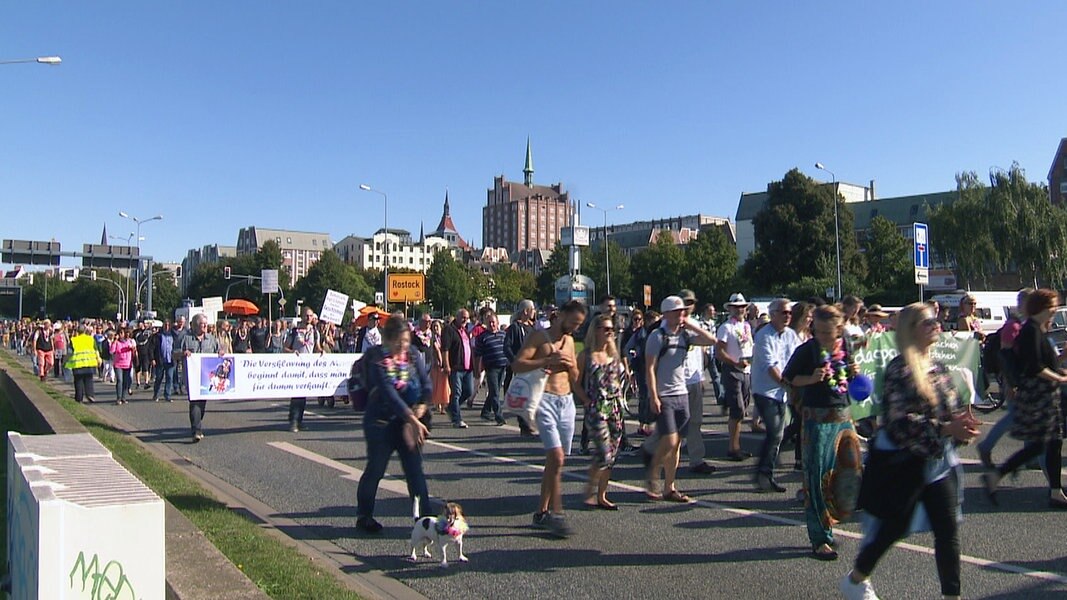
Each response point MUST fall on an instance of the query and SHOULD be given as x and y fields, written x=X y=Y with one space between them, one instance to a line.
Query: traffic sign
x=648 y=295
x=269 y=281
x=407 y=287
x=30 y=252
x=921 y=238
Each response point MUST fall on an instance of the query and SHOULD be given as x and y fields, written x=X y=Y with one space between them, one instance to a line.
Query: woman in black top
x=1038 y=420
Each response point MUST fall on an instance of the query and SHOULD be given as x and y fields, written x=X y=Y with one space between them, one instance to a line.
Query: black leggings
x=941 y=500
x=1030 y=451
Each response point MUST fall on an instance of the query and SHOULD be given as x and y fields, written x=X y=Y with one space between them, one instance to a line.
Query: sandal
x=676 y=496
x=650 y=491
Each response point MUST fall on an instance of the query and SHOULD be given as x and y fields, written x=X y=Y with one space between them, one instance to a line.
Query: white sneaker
x=857 y=591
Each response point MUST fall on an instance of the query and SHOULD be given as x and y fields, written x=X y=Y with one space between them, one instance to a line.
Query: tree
x=661 y=265
x=447 y=283
x=557 y=266
x=890 y=270
x=961 y=232
x=510 y=285
x=711 y=266
x=330 y=273
x=795 y=234
x=594 y=268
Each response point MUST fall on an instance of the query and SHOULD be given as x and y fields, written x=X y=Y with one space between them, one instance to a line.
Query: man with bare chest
x=552 y=350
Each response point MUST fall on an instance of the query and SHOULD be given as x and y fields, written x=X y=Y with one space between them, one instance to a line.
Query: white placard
x=333 y=307
x=212 y=307
x=357 y=306
x=269 y=281
x=251 y=376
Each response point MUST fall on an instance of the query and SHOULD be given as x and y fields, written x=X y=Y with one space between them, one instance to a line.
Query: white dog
x=440 y=531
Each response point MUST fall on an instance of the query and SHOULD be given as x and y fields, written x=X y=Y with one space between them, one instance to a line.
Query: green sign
x=960 y=355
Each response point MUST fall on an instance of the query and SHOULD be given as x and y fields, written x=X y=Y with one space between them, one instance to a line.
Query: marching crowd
x=786 y=373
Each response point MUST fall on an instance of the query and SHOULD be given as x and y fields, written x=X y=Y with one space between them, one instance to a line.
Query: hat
x=57 y=326
x=737 y=299
x=779 y=304
x=688 y=296
x=875 y=310
x=671 y=303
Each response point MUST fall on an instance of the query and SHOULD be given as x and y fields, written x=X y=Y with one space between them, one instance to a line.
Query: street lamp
x=837 y=233
x=44 y=60
x=385 y=285
x=129 y=240
x=124 y=215
x=607 y=262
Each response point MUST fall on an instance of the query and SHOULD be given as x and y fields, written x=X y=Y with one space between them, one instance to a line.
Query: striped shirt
x=489 y=346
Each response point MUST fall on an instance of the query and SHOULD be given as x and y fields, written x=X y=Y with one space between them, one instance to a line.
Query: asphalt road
x=732 y=542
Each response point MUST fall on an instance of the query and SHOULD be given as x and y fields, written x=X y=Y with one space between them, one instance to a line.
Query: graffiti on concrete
x=109 y=583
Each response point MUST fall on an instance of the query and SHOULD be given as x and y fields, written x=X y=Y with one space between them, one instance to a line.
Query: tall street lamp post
x=129 y=240
x=607 y=261
x=138 y=222
x=385 y=270
x=837 y=232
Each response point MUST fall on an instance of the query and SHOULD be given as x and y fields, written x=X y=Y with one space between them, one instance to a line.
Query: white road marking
x=973 y=560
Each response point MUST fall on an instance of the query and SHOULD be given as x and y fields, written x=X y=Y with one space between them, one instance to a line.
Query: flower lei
x=396 y=369
x=834 y=364
x=742 y=331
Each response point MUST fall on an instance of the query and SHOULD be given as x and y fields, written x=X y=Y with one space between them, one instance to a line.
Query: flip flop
x=676 y=496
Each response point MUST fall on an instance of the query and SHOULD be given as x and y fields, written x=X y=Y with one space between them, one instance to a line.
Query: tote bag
x=524 y=394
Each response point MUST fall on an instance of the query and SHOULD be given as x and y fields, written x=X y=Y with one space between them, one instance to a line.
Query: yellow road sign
x=407 y=287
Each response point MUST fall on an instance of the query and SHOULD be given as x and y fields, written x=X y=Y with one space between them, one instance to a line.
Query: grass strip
x=278 y=569
x=8 y=422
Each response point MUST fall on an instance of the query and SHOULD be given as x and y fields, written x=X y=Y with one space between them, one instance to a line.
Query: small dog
x=441 y=531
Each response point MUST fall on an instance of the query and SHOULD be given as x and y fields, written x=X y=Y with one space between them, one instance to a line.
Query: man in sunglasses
x=774 y=346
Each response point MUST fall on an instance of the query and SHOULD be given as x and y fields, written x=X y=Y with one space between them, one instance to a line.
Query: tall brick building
x=524 y=216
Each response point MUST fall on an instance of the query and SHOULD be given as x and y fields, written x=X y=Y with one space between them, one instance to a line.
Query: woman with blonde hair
x=601 y=375
x=913 y=459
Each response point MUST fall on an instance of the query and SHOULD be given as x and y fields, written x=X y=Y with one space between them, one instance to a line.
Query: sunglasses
x=607 y=329
x=928 y=322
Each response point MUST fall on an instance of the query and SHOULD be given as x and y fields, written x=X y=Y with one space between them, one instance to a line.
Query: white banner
x=333 y=307
x=254 y=376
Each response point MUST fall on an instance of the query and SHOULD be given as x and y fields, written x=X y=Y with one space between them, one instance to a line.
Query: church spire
x=103 y=236
x=528 y=170
x=447 y=211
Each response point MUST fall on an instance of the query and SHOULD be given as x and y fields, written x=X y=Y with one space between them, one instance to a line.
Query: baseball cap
x=671 y=303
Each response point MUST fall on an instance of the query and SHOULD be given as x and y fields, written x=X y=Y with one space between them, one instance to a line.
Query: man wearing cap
x=734 y=350
x=667 y=354
x=774 y=345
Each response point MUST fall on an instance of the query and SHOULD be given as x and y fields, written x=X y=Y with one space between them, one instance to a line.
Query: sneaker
x=857 y=591
x=294 y=428
x=460 y=425
x=629 y=451
x=199 y=435
x=540 y=520
x=368 y=525
x=155 y=399
x=558 y=527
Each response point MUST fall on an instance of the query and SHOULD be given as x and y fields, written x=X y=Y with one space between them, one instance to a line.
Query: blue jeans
x=462 y=383
x=773 y=413
x=123 y=382
x=999 y=429
x=716 y=380
x=494 y=379
x=197 y=408
x=165 y=378
x=384 y=438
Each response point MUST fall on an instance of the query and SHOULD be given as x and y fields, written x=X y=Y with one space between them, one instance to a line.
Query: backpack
x=991 y=353
x=683 y=335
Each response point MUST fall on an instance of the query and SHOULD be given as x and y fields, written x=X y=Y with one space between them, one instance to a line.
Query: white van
x=993 y=308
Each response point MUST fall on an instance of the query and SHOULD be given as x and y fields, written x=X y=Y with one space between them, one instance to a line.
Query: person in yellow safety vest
x=83 y=361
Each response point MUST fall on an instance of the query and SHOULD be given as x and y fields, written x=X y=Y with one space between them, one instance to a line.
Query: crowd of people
x=786 y=373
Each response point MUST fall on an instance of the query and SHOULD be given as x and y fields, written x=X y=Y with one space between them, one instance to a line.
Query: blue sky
x=226 y=114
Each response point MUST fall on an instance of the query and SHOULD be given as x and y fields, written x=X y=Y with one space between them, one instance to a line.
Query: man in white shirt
x=774 y=346
x=373 y=336
x=734 y=350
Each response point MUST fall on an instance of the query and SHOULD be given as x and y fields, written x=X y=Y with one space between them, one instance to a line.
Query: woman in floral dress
x=601 y=374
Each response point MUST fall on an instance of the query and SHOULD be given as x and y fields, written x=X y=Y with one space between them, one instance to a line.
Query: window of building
x=314 y=242
x=288 y=240
x=277 y=240
x=1063 y=187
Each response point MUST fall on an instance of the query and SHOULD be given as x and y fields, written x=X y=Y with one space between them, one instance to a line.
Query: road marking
x=972 y=560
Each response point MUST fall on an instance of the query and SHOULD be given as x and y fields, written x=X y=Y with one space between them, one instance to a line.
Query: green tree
x=510 y=285
x=962 y=232
x=448 y=283
x=661 y=265
x=890 y=270
x=330 y=273
x=593 y=267
x=795 y=234
x=711 y=266
x=557 y=266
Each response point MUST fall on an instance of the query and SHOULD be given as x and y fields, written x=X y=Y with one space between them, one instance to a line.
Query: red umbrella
x=239 y=306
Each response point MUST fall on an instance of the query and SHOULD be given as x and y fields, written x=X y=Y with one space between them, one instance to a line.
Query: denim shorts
x=555 y=421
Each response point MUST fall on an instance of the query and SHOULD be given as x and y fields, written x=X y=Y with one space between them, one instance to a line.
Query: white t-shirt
x=738 y=338
x=372 y=338
x=694 y=361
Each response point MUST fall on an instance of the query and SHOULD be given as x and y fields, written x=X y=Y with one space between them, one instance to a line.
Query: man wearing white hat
x=774 y=346
x=666 y=352
x=734 y=351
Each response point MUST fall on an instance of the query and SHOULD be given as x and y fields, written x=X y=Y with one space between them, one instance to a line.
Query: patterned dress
x=603 y=418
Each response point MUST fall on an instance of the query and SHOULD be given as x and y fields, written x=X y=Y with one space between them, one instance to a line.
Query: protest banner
x=255 y=376
x=212 y=307
x=333 y=307
x=960 y=355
